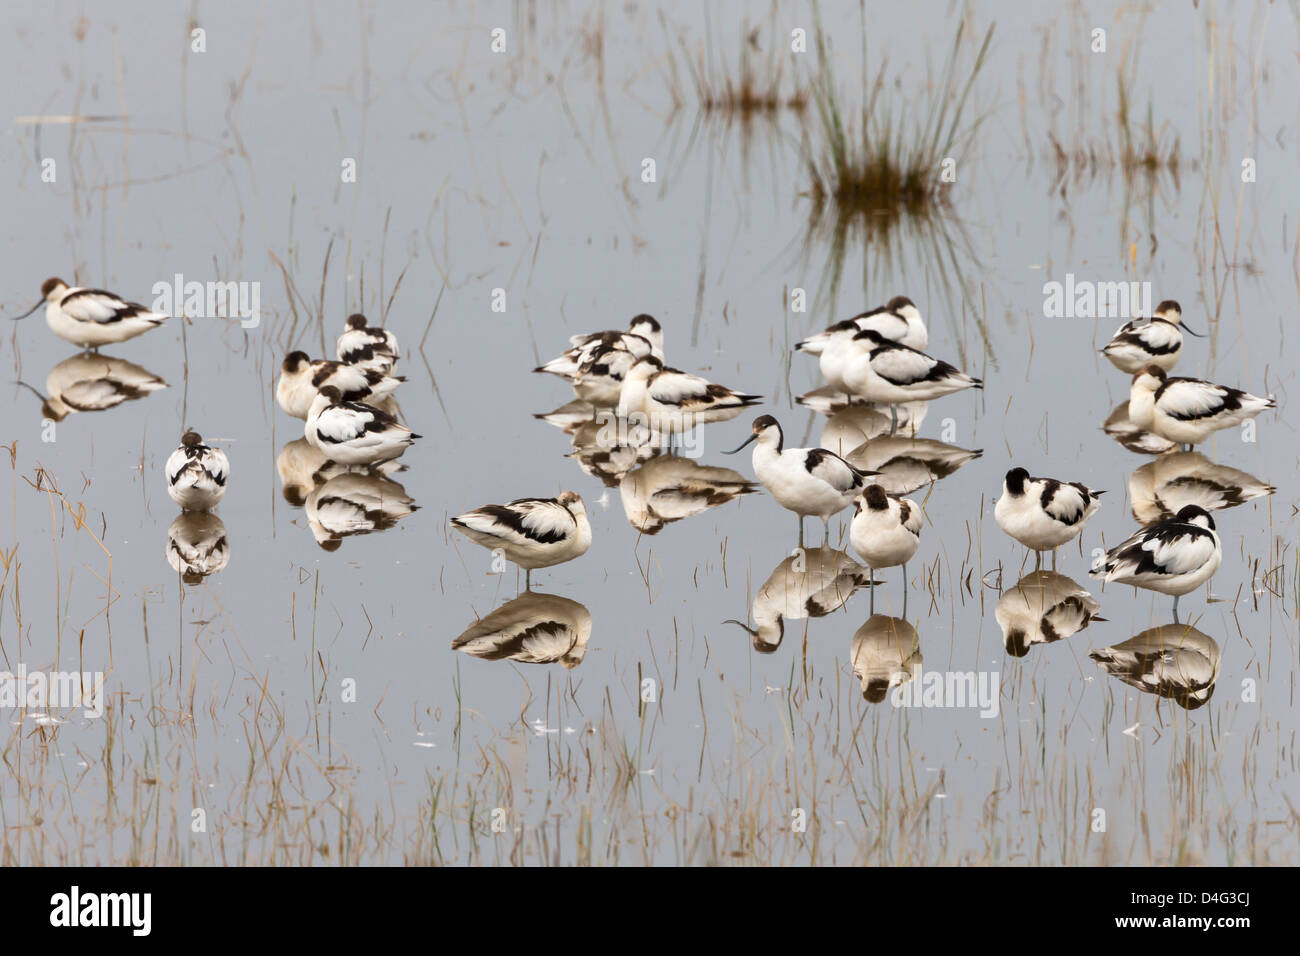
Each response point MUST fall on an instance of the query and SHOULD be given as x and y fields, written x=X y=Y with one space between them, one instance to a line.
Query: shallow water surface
x=702 y=690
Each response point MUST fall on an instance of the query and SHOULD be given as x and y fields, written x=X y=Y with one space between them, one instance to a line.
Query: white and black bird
x=898 y=320
x=884 y=653
x=599 y=379
x=1042 y=608
x=1154 y=341
x=644 y=336
x=301 y=379
x=1164 y=486
x=92 y=317
x=197 y=545
x=807 y=481
x=533 y=628
x=808 y=584
x=672 y=401
x=1044 y=513
x=354 y=433
x=368 y=346
x=885 y=532
x=91 y=382
x=196 y=473
x=531 y=532
x=1170 y=557
x=1173 y=661
x=891 y=374
x=1188 y=410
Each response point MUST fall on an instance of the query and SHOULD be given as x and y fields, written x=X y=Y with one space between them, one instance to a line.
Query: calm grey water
x=521 y=172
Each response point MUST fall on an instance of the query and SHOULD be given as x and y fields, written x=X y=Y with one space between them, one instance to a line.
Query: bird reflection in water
x=91 y=382
x=885 y=652
x=197 y=545
x=1042 y=608
x=670 y=488
x=1163 y=487
x=353 y=504
x=303 y=468
x=534 y=628
x=904 y=465
x=1138 y=440
x=1173 y=661
x=810 y=583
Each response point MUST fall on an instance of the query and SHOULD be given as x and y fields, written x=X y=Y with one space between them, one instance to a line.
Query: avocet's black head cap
x=50 y=284
x=1016 y=479
x=295 y=360
x=899 y=302
x=356 y=321
x=191 y=438
x=1169 y=305
x=1189 y=512
x=876 y=498
x=763 y=422
x=644 y=319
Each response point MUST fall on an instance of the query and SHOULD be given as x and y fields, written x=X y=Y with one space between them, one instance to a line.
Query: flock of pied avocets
x=873 y=361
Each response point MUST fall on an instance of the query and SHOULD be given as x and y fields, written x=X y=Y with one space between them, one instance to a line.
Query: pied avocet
x=672 y=401
x=367 y=346
x=301 y=379
x=807 y=481
x=1154 y=341
x=644 y=336
x=92 y=317
x=354 y=433
x=1171 y=557
x=1188 y=410
x=196 y=473
x=1044 y=513
x=885 y=532
x=599 y=379
x=531 y=532
x=898 y=320
x=890 y=373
